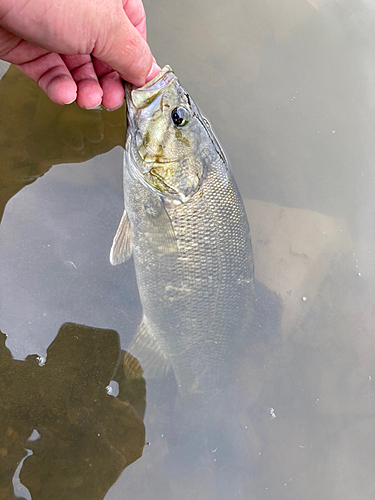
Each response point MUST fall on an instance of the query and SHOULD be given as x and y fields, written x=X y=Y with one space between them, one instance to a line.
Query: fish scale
x=192 y=254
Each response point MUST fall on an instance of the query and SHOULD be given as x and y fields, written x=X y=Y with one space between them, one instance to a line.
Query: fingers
x=90 y=80
x=66 y=78
x=155 y=70
x=8 y=41
x=125 y=51
x=47 y=69
x=81 y=67
x=97 y=83
x=112 y=85
x=58 y=85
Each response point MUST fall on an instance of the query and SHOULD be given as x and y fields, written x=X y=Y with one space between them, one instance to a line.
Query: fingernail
x=155 y=69
x=114 y=109
x=70 y=102
x=98 y=106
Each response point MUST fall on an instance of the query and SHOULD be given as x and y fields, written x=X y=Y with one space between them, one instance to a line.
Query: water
x=288 y=86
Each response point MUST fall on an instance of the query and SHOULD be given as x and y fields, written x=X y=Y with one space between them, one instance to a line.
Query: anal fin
x=148 y=352
x=159 y=230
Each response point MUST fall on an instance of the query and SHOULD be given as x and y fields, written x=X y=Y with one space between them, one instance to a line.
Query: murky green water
x=288 y=86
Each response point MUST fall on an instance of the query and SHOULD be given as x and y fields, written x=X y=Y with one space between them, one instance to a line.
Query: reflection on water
x=288 y=86
x=77 y=437
x=35 y=134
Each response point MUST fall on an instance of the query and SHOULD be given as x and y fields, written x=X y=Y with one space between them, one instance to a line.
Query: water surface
x=288 y=86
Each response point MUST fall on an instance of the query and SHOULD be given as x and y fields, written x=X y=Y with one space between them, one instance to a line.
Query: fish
x=186 y=227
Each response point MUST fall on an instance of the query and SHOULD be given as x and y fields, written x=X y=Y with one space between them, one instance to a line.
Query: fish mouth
x=141 y=97
x=163 y=77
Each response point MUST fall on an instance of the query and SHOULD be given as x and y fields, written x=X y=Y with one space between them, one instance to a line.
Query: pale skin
x=81 y=50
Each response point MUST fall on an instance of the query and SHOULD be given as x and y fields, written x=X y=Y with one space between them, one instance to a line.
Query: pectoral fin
x=146 y=348
x=121 y=247
x=159 y=229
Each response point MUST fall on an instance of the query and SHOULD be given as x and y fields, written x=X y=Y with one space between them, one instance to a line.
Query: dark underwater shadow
x=36 y=134
x=76 y=437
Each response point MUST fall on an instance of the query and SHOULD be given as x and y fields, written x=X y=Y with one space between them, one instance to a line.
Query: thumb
x=124 y=50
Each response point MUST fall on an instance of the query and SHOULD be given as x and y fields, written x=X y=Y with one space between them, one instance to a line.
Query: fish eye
x=180 y=116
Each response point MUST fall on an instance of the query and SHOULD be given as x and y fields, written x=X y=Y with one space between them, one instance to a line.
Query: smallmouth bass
x=186 y=227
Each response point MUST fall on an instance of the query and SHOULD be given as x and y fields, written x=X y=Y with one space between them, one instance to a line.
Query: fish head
x=168 y=136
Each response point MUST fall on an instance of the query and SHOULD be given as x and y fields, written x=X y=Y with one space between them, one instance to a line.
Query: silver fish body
x=187 y=229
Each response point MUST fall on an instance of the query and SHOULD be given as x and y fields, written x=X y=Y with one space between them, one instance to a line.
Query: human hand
x=79 y=50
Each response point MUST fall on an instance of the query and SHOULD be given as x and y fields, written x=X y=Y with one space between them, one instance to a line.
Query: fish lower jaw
x=155 y=160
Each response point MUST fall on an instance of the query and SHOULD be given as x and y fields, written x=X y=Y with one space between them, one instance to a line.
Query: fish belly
x=196 y=298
